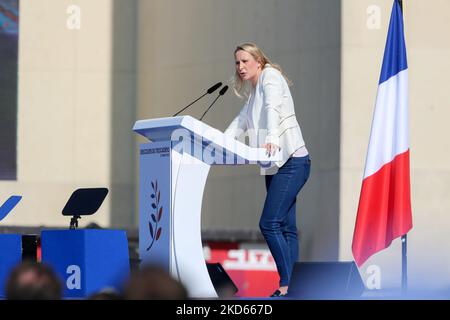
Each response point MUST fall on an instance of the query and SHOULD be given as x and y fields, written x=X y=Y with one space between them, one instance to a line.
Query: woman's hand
x=271 y=149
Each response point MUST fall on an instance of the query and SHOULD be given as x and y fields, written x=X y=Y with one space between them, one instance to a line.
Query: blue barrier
x=10 y=256
x=87 y=260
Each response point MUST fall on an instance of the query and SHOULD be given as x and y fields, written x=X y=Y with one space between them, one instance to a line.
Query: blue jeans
x=278 y=223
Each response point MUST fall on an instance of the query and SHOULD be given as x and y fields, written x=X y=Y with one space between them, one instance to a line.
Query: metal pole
x=404 y=237
x=404 y=264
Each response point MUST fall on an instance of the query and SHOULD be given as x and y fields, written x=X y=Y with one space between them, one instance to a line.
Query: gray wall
x=184 y=47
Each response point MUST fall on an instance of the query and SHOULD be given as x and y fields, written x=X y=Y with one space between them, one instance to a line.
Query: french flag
x=384 y=211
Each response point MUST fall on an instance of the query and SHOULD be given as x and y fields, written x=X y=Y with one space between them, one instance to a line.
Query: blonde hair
x=240 y=88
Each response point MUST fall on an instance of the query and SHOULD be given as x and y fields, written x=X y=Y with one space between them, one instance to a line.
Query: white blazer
x=268 y=116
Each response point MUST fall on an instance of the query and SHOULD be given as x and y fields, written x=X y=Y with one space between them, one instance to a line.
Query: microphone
x=209 y=91
x=221 y=93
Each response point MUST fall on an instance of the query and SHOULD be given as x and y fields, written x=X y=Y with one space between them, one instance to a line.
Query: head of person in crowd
x=153 y=283
x=106 y=294
x=33 y=281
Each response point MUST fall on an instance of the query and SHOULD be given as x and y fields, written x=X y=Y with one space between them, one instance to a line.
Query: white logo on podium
x=74 y=279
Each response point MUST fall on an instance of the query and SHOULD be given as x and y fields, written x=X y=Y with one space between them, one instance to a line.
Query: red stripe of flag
x=384 y=211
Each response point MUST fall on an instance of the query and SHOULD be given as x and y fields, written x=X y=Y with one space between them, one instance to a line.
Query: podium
x=87 y=260
x=173 y=170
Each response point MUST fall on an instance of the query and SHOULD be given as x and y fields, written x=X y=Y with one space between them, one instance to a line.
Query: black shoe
x=278 y=294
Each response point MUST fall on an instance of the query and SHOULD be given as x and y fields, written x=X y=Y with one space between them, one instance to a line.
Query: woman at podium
x=268 y=116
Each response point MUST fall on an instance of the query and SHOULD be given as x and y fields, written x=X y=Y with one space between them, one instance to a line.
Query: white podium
x=174 y=167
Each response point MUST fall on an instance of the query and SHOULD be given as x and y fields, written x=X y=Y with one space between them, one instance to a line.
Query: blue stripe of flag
x=394 y=59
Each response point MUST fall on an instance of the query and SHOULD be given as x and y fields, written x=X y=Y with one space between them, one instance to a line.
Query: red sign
x=250 y=266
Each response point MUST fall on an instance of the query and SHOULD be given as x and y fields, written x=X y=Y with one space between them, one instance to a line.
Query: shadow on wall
x=123 y=175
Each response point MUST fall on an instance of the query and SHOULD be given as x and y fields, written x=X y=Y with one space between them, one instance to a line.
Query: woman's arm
x=273 y=93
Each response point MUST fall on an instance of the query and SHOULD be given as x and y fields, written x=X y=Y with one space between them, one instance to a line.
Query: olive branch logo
x=155 y=231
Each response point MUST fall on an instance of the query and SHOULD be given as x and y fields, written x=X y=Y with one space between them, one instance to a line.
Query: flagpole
x=404 y=237
x=404 y=264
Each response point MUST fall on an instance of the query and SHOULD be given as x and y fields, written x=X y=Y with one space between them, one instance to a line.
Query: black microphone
x=209 y=91
x=221 y=93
